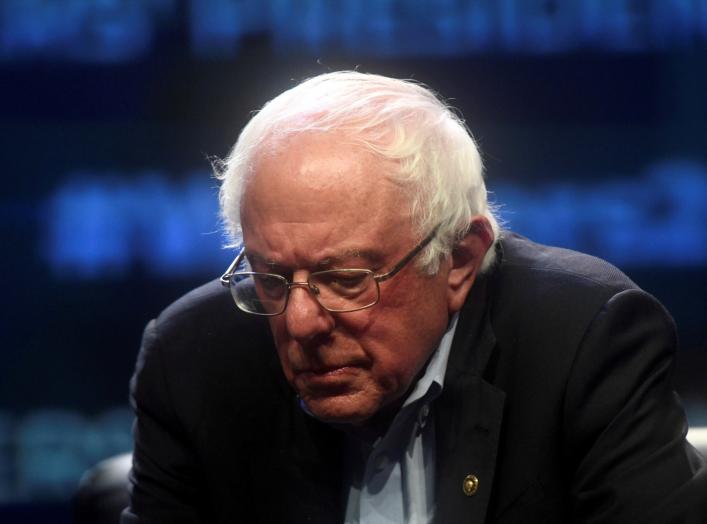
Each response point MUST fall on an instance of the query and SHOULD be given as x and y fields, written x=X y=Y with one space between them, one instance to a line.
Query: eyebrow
x=370 y=256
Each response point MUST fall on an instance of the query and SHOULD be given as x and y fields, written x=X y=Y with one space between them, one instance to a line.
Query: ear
x=467 y=256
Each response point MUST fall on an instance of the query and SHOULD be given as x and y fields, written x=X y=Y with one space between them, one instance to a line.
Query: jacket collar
x=469 y=412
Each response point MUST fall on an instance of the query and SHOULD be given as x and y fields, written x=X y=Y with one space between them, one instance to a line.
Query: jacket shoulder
x=548 y=297
x=203 y=343
x=206 y=301
x=208 y=313
x=537 y=263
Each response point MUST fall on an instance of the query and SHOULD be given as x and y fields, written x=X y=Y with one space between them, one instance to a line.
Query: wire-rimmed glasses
x=336 y=290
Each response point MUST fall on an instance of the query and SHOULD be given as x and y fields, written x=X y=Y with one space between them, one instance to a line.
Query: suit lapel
x=304 y=478
x=468 y=418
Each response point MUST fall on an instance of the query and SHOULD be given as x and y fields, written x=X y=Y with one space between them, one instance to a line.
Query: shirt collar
x=432 y=382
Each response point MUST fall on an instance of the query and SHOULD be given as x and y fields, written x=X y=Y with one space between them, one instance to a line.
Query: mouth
x=327 y=378
x=327 y=371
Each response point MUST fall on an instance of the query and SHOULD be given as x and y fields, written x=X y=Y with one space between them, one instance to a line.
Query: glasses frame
x=231 y=272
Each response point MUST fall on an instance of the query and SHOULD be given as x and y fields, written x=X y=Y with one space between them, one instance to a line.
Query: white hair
x=400 y=120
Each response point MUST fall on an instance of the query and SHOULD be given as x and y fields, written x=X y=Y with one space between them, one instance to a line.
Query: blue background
x=591 y=114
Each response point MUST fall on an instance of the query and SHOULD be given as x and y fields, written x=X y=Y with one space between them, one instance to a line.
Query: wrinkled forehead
x=300 y=131
x=333 y=165
x=323 y=181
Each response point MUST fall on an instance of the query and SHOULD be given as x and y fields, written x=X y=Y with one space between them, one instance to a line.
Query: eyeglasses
x=336 y=290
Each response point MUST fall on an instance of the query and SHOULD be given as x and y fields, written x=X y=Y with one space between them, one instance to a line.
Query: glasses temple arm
x=422 y=245
x=226 y=277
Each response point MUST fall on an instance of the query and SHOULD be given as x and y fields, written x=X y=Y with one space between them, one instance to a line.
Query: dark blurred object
x=103 y=491
x=37 y=512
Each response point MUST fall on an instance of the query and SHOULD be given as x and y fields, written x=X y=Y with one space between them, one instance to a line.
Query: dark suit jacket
x=557 y=398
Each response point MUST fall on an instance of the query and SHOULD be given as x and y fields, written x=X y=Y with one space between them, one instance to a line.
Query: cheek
x=396 y=350
x=282 y=343
x=408 y=331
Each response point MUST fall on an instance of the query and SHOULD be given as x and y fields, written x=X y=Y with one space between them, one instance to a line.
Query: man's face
x=322 y=203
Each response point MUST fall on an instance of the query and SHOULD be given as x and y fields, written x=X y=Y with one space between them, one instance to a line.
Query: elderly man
x=380 y=352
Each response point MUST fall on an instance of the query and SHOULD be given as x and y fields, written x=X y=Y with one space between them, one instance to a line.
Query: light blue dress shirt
x=392 y=476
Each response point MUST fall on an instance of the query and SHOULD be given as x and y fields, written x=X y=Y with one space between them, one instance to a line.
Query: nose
x=305 y=318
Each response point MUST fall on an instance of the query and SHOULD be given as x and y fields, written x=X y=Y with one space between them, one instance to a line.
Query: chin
x=338 y=410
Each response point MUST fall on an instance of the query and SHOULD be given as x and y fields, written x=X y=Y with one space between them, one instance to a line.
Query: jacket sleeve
x=163 y=476
x=626 y=426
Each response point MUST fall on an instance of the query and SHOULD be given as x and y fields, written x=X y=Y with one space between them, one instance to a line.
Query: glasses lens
x=345 y=289
x=259 y=293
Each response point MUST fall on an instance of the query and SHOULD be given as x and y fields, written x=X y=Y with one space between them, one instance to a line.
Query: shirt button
x=470 y=485
x=422 y=416
x=424 y=413
x=380 y=462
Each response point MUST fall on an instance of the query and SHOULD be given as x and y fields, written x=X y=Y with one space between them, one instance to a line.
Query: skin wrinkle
x=312 y=200
x=341 y=260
